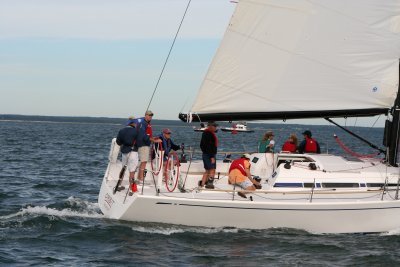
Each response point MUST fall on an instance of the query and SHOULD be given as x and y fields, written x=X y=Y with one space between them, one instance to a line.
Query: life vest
x=149 y=130
x=239 y=165
x=289 y=147
x=141 y=122
x=311 y=145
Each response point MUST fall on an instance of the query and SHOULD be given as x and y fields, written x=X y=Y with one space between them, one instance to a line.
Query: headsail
x=282 y=59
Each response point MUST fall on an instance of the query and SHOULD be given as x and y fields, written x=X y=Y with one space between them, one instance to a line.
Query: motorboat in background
x=200 y=129
x=240 y=127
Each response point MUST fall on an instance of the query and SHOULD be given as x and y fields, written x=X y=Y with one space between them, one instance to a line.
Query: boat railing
x=311 y=192
x=302 y=192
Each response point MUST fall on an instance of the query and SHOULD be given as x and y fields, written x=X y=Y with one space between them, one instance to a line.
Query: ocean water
x=50 y=175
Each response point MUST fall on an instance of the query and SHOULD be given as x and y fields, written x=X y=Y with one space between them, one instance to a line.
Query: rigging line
x=375 y=121
x=169 y=53
x=184 y=104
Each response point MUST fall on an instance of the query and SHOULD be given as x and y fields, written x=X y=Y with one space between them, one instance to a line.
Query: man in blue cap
x=127 y=140
x=309 y=144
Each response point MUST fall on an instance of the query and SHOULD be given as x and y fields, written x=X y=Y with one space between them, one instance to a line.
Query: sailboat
x=202 y=128
x=287 y=60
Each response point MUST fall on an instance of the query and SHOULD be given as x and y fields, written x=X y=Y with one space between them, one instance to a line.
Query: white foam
x=89 y=210
x=183 y=229
x=392 y=232
x=80 y=203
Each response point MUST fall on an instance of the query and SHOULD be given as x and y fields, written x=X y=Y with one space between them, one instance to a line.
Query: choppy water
x=50 y=175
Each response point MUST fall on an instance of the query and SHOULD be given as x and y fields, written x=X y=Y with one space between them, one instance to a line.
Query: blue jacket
x=143 y=139
x=167 y=146
x=127 y=139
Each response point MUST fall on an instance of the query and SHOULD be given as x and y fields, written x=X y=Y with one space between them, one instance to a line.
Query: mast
x=392 y=129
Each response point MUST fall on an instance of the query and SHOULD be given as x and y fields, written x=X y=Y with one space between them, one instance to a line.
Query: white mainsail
x=299 y=56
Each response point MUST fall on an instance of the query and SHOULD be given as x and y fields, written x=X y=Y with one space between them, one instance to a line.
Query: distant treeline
x=79 y=119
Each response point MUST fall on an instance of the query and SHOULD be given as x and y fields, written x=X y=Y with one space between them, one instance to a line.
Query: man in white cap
x=239 y=174
x=145 y=137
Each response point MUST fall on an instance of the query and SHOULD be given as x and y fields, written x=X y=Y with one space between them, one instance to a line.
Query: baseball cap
x=166 y=131
x=246 y=156
x=307 y=132
x=130 y=120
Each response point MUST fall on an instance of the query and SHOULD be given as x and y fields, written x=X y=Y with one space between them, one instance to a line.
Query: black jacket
x=208 y=143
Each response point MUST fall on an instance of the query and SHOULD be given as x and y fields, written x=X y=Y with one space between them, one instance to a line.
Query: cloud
x=112 y=19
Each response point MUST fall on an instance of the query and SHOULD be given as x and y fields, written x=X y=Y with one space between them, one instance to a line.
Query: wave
x=77 y=208
x=391 y=232
x=171 y=230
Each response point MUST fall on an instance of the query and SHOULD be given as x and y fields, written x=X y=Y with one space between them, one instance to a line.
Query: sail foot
x=246 y=116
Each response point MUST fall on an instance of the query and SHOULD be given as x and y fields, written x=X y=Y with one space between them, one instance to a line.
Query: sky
x=102 y=58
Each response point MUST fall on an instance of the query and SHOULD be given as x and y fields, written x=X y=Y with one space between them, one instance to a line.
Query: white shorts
x=132 y=159
x=245 y=184
x=144 y=153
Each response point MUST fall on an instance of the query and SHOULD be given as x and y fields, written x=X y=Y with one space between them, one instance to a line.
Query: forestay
x=297 y=58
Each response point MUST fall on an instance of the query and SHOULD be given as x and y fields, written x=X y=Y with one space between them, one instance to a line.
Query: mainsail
x=282 y=59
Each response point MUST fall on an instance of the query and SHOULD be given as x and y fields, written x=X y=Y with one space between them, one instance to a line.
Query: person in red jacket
x=239 y=174
x=309 y=144
x=290 y=146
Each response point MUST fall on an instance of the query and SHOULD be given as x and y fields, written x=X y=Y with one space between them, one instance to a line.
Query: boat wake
x=391 y=232
x=75 y=207
x=171 y=230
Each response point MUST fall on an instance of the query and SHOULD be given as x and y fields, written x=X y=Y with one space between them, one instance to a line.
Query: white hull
x=230 y=129
x=311 y=217
x=237 y=128
x=318 y=210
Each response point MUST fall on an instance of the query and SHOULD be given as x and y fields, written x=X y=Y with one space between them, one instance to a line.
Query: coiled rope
x=351 y=152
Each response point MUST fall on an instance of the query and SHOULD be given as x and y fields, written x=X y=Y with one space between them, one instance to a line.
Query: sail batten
x=302 y=57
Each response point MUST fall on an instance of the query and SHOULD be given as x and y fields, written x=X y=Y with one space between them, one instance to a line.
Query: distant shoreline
x=69 y=119
x=155 y=122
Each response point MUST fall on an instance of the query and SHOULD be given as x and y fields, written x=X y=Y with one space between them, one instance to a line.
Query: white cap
x=246 y=155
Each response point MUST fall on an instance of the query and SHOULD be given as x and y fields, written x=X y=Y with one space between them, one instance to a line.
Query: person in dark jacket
x=309 y=144
x=145 y=137
x=126 y=139
x=167 y=143
x=209 y=145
